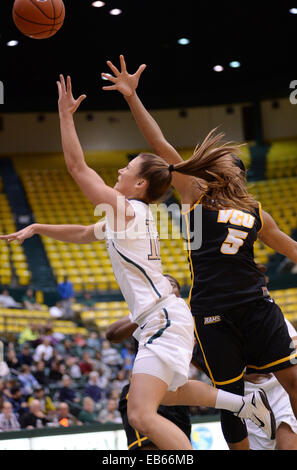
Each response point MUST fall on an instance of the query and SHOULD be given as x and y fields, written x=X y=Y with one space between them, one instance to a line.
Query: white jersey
x=136 y=262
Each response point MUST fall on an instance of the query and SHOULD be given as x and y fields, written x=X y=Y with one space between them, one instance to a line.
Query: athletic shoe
x=256 y=407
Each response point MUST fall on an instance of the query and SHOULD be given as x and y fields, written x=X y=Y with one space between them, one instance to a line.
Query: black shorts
x=179 y=415
x=253 y=337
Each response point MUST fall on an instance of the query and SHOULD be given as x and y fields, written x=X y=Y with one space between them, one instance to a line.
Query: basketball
x=38 y=19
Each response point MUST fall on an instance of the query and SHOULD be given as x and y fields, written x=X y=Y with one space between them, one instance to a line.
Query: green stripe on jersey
x=161 y=331
x=141 y=269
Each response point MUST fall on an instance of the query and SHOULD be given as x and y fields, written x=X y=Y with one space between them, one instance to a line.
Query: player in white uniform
x=166 y=330
x=286 y=423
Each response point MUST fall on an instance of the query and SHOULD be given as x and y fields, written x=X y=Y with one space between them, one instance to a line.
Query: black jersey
x=224 y=273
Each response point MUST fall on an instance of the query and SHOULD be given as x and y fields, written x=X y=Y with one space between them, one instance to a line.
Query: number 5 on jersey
x=233 y=241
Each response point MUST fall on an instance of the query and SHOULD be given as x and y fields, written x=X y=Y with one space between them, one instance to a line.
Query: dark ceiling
x=261 y=35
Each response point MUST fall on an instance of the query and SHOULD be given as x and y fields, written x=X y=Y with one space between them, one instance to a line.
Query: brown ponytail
x=156 y=171
x=216 y=165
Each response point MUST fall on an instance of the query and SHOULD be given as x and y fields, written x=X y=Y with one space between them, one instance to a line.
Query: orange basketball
x=38 y=19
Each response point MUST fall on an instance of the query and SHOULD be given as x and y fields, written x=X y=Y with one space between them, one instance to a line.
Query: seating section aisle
x=12 y=258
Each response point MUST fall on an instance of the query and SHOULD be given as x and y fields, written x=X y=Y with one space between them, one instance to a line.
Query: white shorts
x=166 y=341
x=281 y=406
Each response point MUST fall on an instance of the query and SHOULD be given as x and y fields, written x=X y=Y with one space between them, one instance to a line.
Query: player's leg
x=286 y=438
x=145 y=395
x=288 y=379
x=224 y=365
x=270 y=347
x=254 y=406
x=137 y=441
x=233 y=428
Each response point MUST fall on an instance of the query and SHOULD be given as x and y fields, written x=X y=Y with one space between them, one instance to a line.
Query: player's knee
x=139 y=420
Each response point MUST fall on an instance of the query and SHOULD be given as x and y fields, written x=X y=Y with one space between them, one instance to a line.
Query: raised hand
x=124 y=82
x=21 y=235
x=67 y=104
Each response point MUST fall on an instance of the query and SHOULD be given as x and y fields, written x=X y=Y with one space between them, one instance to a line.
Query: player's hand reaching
x=66 y=102
x=21 y=235
x=124 y=82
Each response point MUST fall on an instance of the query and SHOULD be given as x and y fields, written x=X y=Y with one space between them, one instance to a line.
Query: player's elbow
x=73 y=168
x=111 y=335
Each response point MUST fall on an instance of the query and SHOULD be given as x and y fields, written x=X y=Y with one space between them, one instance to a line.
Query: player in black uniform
x=179 y=415
x=237 y=324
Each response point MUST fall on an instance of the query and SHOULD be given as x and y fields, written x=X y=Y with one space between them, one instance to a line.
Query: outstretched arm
x=272 y=236
x=92 y=185
x=63 y=233
x=126 y=84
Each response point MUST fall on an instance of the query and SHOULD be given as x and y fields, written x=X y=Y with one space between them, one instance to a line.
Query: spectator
x=57 y=338
x=18 y=401
x=30 y=335
x=34 y=418
x=99 y=364
x=66 y=293
x=67 y=348
x=3 y=396
x=7 y=301
x=111 y=413
x=67 y=394
x=73 y=368
x=87 y=301
x=48 y=332
x=27 y=380
x=55 y=375
x=115 y=394
x=40 y=374
x=120 y=381
x=8 y=420
x=92 y=389
x=62 y=368
x=87 y=414
x=44 y=351
x=86 y=365
x=46 y=403
x=29 y=300
x=103 y=381
x=93 y=341
x=25 y=356
x=12 y=360
x=57 y=356
x=80 y=343
x=4 y=369
x=57 y=311
x=8 y=385
x=64 y=418
x=128 y=354
x=111 y=357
